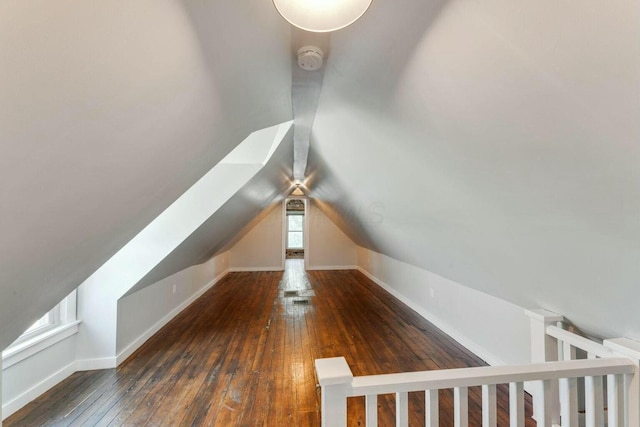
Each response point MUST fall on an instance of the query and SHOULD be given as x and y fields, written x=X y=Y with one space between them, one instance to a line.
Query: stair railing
x=550 y=341
x=553 y=380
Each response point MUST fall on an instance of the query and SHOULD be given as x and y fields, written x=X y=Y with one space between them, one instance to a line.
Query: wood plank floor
x=242 y=355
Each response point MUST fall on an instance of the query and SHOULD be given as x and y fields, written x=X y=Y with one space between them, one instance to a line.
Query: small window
x=44 y=322
x=61 y=314
x=295 y=231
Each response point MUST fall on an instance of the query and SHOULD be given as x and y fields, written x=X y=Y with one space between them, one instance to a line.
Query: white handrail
x=470 y=377
x=338 y=384
x=580 y=342
x=550 y=343
x=554 y=383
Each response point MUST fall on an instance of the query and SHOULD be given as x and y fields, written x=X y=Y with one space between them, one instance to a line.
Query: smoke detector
x=310 y=58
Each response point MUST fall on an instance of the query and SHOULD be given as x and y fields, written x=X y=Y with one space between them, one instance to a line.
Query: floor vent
x=301 y=301
x=291 y=293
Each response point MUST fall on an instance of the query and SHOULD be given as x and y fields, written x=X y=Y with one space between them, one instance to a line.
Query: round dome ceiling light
x=310 y=58
x=321 y=16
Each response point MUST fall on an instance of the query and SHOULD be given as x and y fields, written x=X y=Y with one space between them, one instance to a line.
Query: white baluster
x=431 y=408
x=544 y=409
x=544 y=348
x=334 y=376
x=402 y=409
x=568 y=351
x=614 y=401
x=569 y=402
x=593 y=401
x=461 y=407
x=568 y=411
x=631 y=349
x=516 y=404
x=629 y=401
x=371 y=416
x=489 y=414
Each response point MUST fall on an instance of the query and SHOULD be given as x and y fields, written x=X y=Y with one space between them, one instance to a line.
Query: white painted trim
x=543 y=315
x=48 y=383
x=306 y=242
x=334 y=267
x=137 y=343
x=60 y=317
x=245 y=269
x=283 y=224
x=30 y=347
x=463 y=340
x=305 y=234
x=95 y=364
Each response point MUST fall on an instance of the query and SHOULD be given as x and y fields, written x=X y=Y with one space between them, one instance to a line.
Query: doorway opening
x=295 y=225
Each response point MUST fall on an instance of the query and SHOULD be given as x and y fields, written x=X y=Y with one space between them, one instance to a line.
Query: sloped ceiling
x=495 y=143
x=268 y=186
x=108 y=112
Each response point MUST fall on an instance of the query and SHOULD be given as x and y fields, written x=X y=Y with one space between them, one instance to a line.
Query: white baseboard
x=249 y=269
x=137 y=343
x=17 y=353
x=95 y=364
x=463 y=340
x=45 y=385
x=20 y=401
x=333 y=267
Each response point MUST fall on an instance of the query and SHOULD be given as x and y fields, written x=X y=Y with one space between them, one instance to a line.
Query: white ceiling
x=108 y=112
x=493 y=142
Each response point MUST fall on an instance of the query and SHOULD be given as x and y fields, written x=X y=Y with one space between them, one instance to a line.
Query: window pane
x=44 y=321
x=63 y=313
x=295 y=240
x=295 y=222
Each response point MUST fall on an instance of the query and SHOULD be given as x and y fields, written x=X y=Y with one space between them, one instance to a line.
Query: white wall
x=24 y=381
x=143 y=313
x=140 y=315
x=118 y=123
x=262 y=247
x=328 y=247
x=500 y=138
x=98 y=294
x=494 y=329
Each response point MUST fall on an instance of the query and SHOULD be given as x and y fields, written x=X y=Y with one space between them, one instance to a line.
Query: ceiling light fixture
x=321 y=16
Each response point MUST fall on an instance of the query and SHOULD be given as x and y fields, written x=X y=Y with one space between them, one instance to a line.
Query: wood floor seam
x=243 y=355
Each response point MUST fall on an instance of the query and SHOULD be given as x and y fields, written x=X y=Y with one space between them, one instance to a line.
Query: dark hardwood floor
x=243 y=354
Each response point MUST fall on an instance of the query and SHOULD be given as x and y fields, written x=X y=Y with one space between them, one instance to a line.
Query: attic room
x=459 y=162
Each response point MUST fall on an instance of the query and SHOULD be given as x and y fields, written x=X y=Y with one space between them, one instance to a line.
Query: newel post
x=631 y=349
x=335 y=377
x=544 y=348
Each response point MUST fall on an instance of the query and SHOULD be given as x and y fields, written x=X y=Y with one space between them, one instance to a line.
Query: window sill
x=28 y=348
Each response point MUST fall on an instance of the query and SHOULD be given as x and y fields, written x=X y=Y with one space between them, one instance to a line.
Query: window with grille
x=295 y=231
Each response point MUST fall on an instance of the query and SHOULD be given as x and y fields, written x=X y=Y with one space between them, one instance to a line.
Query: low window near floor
x=47 y=330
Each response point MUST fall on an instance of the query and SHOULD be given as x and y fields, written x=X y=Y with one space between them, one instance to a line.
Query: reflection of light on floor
x=294 y=278
x=294 y=317
x=298 y=371
x=296 y=295
x=296 y=310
